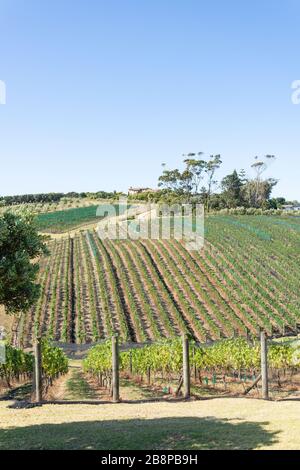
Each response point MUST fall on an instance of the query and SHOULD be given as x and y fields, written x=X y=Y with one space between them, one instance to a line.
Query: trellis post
x=130 y=362
x=264 y=365
x=38 y=370
x=186 y=367
x=149 y=375
x=115 y=369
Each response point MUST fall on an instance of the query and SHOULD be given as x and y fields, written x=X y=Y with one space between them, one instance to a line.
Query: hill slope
x=246 y=277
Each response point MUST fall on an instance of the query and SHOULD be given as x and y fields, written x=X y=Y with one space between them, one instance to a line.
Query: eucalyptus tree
x=211 y=167
x=259 y=166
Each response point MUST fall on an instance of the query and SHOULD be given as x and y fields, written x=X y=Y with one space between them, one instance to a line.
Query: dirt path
x=76 y=386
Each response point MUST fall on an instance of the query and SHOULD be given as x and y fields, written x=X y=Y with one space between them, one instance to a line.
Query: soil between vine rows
x=151 y=289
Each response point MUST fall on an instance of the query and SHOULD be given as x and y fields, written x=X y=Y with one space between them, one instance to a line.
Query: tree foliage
x=20 y=245
x=44 y=198
x=229 y=355
x=198 y=183
x=195 y=172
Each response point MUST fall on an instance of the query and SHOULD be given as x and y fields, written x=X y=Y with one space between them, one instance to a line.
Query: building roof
x=139 y=189
x=291 y=206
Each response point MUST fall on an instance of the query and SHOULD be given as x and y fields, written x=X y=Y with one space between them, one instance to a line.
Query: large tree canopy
x=232 y=189
x=187 y=182
x=236 y=189
x=20 y=244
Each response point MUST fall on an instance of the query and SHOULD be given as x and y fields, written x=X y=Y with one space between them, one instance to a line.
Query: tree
x=276 y=202
x=171 y=179
x=20 y=244
x=210 y=168
x=242 y=176
x=186 y=184
x=260 y=166
x=257 y=193
x=195 y=168
x=232 y=189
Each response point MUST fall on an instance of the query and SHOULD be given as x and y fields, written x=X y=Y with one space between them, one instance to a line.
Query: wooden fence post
x=130 y=363
x=115 y=369
x=195 y=365
x=186 y=367
x=264 y=365
x=38 y=370
x=149 y=375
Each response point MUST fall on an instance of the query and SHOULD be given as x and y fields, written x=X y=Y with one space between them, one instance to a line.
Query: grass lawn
x=77 y=387
x=226 y=423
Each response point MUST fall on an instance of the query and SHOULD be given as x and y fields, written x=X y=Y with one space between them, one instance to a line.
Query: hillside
x=246 y=277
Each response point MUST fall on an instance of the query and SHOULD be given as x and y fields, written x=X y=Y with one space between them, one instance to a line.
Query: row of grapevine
x=229 y=356
x=81 y=322
x=179 y=293
x=131 y=304
x=246 y=277
x=96 y=322
x=113 y=292
x=19 y=364
x=54 y=362
x=264 y=271
x=51 y=314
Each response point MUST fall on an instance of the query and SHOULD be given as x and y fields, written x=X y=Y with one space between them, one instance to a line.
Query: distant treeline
x=197 y=181
x=53 y=197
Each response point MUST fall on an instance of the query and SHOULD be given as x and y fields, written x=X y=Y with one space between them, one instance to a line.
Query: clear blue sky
x=100 y=93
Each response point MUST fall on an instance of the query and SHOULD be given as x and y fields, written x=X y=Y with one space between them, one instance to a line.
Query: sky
x=100 y=93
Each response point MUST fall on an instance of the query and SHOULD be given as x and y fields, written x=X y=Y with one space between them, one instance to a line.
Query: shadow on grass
x=21 y=392
x=146 y=434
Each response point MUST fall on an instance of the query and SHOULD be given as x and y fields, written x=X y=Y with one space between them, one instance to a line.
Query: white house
x=133 y=191
x=291 y=207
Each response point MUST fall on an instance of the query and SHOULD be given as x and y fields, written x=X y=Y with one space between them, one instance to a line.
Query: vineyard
x=64 y=220
x=246 y=278
x=63 y=204
x=64 y=216
x=232 y=358
x=60 y=221
x=19 y=364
